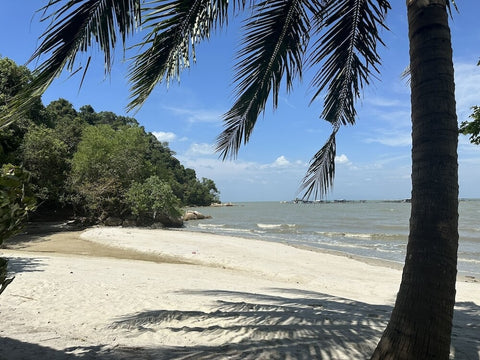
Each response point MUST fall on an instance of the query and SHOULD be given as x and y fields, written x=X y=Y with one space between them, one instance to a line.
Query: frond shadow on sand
x=278 y=324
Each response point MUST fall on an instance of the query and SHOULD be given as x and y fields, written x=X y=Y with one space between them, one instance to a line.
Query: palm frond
x=74 y=27
x=176 y=27
x=77 y=25
x=273 y=49
x=319 y=177
x=347 y=54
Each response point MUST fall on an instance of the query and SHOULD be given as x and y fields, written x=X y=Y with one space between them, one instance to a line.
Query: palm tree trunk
x=421 y=321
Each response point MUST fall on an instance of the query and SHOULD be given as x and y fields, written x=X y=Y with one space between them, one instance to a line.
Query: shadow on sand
x=17 y=265
x=300 y=325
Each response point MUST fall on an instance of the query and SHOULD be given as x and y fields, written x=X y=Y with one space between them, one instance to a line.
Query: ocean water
x=372 y=229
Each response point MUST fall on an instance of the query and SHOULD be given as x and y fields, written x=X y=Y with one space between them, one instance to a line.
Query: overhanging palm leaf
x=274 y=44
x=319 y=177
x=349 y=58
x=76 y=26
x=175 y=28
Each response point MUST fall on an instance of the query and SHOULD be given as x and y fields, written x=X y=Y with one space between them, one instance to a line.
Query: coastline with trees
x=341 y=41
x=97 y=168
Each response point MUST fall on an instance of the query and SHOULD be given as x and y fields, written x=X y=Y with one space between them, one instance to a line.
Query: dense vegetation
x=76 y=161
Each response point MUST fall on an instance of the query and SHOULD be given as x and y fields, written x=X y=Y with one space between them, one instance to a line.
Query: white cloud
x=246 y=180
x=467 y=88
x=342 y=159
x=281 y=161
x=200 y=149
x=164 y=136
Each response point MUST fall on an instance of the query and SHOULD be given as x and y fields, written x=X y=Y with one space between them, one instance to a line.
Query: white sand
x=236 y=299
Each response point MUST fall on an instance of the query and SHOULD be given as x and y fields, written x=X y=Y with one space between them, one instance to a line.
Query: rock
x=195 y=215
x=168 y=221
x=189 y=216
x=221 y=204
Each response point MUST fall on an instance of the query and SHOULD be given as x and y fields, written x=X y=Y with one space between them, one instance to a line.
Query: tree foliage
x=275 y=46
x=16 y=200
x=84 y=162
x=152 y=199
x=107 y=161
x=45 y=155
x=472 y=128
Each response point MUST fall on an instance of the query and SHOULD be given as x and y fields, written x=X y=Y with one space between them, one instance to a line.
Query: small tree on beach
x=345 y=36
x=153 y=199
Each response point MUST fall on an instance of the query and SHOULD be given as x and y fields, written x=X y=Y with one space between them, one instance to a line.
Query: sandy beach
x=129 y=293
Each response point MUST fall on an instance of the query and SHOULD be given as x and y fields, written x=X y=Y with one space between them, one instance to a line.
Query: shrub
x=153 y=200
x=16 y=200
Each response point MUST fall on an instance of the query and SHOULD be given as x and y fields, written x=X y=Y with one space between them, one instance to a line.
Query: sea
x=371 y=229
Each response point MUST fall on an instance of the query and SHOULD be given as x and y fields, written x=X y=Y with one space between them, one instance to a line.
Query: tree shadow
x=305 y=325
x=466 y=331
x=295 y=324
x=17 y=265
x=12 y=349
x=35 y=231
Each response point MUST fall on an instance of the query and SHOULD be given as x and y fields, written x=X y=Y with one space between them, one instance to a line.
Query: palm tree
x=421 y=320
x=339 y=39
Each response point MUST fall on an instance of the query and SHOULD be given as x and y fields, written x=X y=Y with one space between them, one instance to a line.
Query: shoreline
x=374 y=261
x=198 y=295
x=52 y=243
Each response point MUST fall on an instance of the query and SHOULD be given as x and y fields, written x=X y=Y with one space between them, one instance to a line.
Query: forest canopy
x=77 y=165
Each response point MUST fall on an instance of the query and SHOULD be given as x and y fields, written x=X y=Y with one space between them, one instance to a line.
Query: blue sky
x=373 y=157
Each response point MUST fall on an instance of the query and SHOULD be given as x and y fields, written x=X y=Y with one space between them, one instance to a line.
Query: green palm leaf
x=74 y=27
x=175 y=28
x=273 y=48
x=319 y=177
x=347 y=52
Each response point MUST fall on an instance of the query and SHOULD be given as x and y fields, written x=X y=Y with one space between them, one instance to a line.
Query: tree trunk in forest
x=421 y=322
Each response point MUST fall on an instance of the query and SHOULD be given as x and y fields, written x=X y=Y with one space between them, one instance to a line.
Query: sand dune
x=121 y=293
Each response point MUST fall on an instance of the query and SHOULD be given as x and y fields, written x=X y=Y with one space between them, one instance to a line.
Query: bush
x=16 y=200
x=153 y=200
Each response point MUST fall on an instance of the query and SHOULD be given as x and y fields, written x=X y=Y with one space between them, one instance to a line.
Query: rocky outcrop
x=168 y=221
x=221 y=204
x=195 y=215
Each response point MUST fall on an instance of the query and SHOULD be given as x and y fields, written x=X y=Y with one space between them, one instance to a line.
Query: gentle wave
x=275 y=226
x=211 y=226
x=472 y=261
x=371 y=229
x=366 y=236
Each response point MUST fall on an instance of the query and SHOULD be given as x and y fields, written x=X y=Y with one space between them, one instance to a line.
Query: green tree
x=275 y=47
x=16 y=202
x=100 y=172
x=13 y=79
x=61 y=109
x=45 y=156
x=153 y=200
x=472 y=128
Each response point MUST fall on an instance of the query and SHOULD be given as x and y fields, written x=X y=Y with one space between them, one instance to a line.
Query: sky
x=373 y=157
